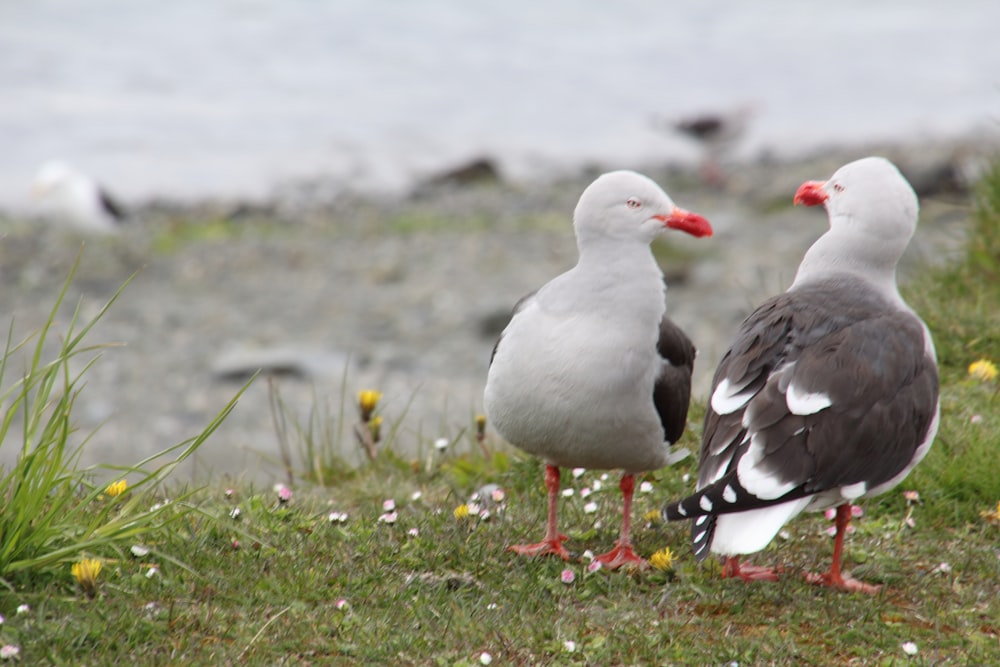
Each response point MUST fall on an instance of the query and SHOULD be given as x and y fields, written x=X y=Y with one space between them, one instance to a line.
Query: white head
x=624 y=205
x=54 y=175
x=873 y=215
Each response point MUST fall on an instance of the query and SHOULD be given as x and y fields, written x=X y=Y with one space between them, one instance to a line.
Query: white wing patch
x=758 y=482
x=727 y=399
x=805 y=403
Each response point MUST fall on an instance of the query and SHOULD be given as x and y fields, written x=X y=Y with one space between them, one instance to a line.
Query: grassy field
x=399 y=563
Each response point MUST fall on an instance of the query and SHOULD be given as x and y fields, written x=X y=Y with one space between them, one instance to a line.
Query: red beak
x=811 y=193
x=692 y=223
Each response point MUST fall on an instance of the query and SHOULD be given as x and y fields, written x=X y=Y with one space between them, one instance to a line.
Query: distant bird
x=829 y=392
x=589 y=372
x=716 y=133
x=73 y=198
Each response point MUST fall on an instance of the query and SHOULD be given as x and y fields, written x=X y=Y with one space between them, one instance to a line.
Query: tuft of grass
x=55 y=512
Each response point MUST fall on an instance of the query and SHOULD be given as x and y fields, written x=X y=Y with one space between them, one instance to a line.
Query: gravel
x=402 y=294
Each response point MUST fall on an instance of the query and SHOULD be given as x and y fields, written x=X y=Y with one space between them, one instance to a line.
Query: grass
x=280 y=583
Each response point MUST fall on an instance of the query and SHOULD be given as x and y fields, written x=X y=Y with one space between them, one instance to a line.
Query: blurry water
x=193 y=98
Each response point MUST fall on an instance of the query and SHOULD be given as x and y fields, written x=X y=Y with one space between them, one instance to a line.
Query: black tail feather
x=724 y=496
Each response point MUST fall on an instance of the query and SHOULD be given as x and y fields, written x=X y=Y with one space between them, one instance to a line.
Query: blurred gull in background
x=71 y=198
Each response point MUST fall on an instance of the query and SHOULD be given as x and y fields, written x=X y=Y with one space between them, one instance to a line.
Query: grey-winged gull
x=829 y=392
x=589 y=372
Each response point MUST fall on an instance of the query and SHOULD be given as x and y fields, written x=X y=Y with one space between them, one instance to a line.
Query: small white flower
x=597 y=485
x=943 y=568
x=594 y=566
x=23 y=609
x=567 y=493
x=388 y=517
x=337 y=517
x=485 y=515
x=139 y=551
x=417 y=495
x=646 y=487
x=909 y=648
x=341 y=604
x=585 y=491
x=1 y=619
x=8 y=651
x=235 y=513
x=485 y=658
x=413 y=532
x=588 y=555
x=388 y=505
x=578 y=472
x=498 y=495
x=686 y=477
x=441 y=444
x=152 y=572
x=491 y=606
x=278 y=487
x=590 y=508
x=784 y=534
x=569 y=645
x=474 y=508
x=604 y=477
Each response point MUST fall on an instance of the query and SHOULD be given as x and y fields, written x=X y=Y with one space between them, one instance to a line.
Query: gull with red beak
x=590 y=373
x=829 y=393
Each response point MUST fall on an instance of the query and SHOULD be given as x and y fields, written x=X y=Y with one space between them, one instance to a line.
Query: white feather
x=727 y=399
x=750 y=531
x=759 y=482
x=806 y=403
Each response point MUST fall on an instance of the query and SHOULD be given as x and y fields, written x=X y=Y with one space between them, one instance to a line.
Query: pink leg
x=622 y=554
x=732 y=568
x=834 y=578
x=552 y=544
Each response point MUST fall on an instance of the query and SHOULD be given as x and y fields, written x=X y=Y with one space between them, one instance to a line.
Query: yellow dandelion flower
x=652 y=516
x=983 y=370
x=461 y=512
x=992 y=517
x=367 y=400
x=662 y=559
x=116 y=488
x=85 y=572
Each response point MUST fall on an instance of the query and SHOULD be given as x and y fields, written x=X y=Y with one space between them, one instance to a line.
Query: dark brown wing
x=672 y=391
x=872 y=394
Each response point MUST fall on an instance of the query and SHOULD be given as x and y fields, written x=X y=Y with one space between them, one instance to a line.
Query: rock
x=478 y=171
x=240 y=363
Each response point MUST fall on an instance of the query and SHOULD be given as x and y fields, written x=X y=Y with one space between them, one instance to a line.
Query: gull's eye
x=837 y=187
x=633 y=203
